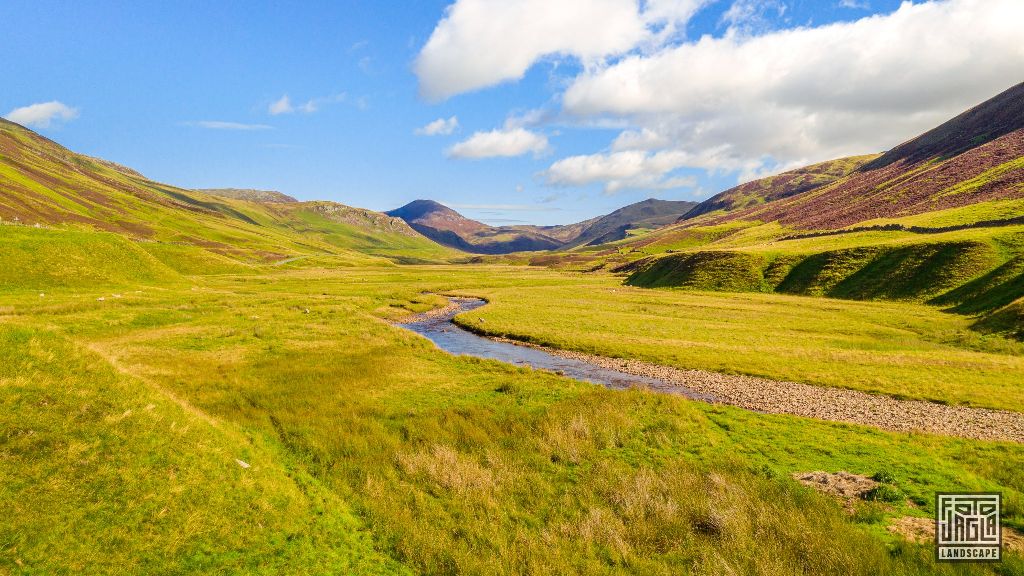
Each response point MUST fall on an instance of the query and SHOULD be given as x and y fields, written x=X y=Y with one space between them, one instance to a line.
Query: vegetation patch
x=36 y=258
x=729 y=271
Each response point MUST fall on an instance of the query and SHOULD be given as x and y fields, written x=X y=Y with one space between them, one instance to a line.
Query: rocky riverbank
x=821 y=402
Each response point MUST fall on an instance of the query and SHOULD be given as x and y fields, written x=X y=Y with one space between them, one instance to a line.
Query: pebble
x=824 y=402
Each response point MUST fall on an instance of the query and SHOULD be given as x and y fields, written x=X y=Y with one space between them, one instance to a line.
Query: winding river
x=749 y=392
x=453 y=339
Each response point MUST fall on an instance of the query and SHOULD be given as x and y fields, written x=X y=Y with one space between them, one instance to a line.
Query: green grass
x=438 y=464
x=45 y=183
x=978 y=212
x=975 y=271
x=102 y=473
x=718 y=270
x=40 y=259
x=905 y=350
x=192 y=260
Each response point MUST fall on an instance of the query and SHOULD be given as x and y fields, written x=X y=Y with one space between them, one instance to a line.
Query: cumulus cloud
x=765 y=102
x=441 y=126
x=506 y=142
x=629 y=169
x=42 y=115
x=480 y=43
x=643 y=139
x=221 y=125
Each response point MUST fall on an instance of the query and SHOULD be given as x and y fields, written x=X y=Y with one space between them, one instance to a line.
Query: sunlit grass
x=372 y=450
x=906 y=350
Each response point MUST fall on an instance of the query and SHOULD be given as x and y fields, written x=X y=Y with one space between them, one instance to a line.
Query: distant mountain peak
x=448 y=227
x=422 y=208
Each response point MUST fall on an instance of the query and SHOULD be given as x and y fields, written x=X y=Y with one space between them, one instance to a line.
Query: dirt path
x=824 y=403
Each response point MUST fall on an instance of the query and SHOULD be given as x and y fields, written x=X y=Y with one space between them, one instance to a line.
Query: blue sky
x=564 y=110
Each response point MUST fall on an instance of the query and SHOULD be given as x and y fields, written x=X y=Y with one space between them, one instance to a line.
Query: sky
x=510 y=111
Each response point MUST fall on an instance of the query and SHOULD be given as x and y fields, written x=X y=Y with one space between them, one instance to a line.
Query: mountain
x=990 y=120
x=42 y=183
x=448 y=227
x=974 y=158
x=436 y=216
x=938 y=219
x=268 y=196
x=764 y=190
x=648 y=214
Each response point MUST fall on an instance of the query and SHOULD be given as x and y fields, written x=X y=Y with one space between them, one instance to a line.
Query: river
x=456 y=340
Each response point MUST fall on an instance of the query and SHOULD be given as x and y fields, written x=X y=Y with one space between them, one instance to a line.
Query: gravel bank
x=454 y=305
x=824 y=403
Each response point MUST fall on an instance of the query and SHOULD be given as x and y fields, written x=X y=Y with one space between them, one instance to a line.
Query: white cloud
x=672 y=11
x=221 y=125
x=441 y=126
x=481 y=43
x=750 y=15
x=284 y=104
x=505 y=142
x=643 y=139
x=631 y=169
x=765 y=102
x=855 y=4
x=42 y=115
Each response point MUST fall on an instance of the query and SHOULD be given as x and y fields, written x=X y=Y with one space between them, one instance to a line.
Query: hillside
x=45 y=184
x=248 y=194
x=938 y=219
x=772 y=188
x=650 y=213
x=976 y=157
x=448 y=227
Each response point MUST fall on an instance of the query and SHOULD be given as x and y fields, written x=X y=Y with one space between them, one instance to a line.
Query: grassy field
x=904 y=350
x=978 y=272
x=127 y=418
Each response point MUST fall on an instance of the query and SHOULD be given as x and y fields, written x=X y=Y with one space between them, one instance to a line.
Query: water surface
x=451 y=338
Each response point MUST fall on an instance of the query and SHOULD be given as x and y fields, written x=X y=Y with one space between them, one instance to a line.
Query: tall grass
x=371 y=450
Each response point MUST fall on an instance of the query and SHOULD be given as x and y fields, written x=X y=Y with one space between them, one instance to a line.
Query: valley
x=172 y=385
x=214 y=381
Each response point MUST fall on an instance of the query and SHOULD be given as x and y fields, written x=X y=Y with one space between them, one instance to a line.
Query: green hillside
x=976 y=157
x=784 y=185
x=44 y=184
x=939 y=219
